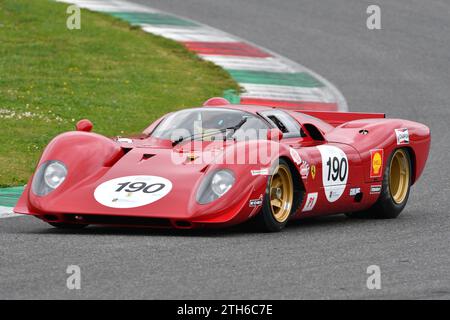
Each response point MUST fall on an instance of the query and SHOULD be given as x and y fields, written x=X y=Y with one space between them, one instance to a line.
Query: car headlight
x=48 y=177
x=215 y=186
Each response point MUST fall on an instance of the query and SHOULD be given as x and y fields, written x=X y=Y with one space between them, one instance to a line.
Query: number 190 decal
x=132 y=191
x=140 y=186
x=334 y=171
x=339 y=168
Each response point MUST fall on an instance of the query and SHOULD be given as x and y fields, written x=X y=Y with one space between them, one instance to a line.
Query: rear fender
x=372 y=134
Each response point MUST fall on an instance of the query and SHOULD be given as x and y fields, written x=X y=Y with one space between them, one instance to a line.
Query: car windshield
x=206 y=124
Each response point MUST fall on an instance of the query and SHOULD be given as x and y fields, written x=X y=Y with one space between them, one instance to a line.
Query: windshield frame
x=244 y=113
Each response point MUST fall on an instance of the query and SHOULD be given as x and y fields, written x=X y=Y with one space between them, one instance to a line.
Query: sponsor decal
x=260 y=172
x=132 y=191
x=311 y=200
x=333 y=194
x=256 y=202
x=304 y=170
x=402 y=136
x=334 y=171
x=304 y=166
x=376 y=163
x=295 y=156
x=375 y=189
x=354 y=191
x=313 y=171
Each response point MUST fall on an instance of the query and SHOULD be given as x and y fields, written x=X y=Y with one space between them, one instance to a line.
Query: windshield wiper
x=193 y=136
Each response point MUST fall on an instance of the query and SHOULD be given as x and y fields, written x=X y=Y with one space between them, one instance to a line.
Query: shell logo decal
x=376 y=157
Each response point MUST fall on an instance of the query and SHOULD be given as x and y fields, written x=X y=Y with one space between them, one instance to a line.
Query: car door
x=330 y=172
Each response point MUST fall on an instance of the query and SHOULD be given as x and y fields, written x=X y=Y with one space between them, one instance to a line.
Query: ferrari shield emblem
x=313 y=171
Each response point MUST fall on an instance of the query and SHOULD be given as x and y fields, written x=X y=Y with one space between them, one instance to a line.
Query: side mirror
x=84 y=125
x=274 y=134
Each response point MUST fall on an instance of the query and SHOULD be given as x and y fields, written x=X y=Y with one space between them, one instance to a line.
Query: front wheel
x=394 y=190
x=278 y=201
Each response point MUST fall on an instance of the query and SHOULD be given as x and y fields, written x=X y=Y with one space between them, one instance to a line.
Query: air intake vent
x=146 y=156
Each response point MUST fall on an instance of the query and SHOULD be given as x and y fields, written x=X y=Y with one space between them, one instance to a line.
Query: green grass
x=117 y=76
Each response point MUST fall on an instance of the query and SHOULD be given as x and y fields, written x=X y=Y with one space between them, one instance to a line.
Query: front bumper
x=236 y=213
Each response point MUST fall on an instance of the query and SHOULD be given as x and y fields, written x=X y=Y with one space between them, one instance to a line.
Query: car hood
x=145 y=181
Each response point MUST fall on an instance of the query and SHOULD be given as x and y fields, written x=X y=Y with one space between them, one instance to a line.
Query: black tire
x=266 y=220
x=389 y=206
x=73 y=226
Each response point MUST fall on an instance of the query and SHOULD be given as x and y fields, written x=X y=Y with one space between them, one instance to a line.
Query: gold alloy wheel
x=281 y=193
x=399 y=176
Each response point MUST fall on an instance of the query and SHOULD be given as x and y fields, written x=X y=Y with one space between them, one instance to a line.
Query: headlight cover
x=49 y=176
x=215 y=185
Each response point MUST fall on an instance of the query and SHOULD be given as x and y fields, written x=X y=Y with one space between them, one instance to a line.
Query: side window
x=283 y=121
x=278 y=123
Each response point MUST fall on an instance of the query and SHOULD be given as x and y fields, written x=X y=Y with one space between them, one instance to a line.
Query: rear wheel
x=278 y=200
x=394 y=190
x=61 y=225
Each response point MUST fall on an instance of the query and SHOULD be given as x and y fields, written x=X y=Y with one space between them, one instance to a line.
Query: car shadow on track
x=302 y=225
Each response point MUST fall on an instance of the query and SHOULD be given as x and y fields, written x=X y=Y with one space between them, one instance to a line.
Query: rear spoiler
x=338 y=118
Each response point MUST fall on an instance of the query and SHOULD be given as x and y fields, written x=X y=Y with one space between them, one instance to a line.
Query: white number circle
x=132 y=191
x=334 y=171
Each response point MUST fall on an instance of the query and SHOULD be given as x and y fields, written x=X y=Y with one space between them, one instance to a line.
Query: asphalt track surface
x=402 y=70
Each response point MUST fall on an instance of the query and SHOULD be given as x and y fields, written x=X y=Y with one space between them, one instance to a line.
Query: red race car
x=222 y=164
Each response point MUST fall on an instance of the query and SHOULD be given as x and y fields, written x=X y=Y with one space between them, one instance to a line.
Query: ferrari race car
x=221 y=165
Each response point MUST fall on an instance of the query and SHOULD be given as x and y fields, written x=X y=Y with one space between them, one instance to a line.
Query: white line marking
x=201 y=34
x=253 y=64
x=7 y=212
x=288 y=93
x=110 y=6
